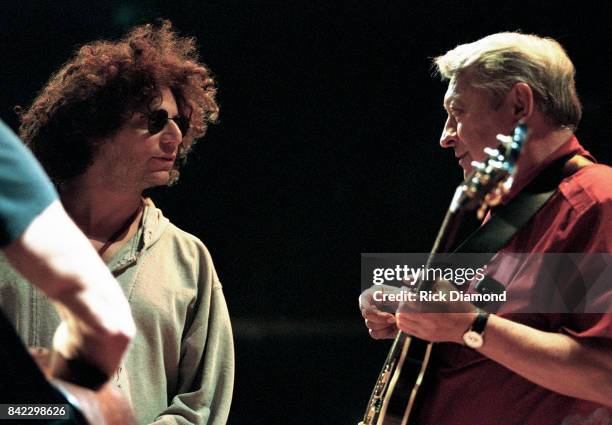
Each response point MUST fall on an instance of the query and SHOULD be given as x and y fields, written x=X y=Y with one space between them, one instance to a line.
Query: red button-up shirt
x=469 y=388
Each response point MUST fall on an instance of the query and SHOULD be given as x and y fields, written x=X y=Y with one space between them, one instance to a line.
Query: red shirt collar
x=569 y=147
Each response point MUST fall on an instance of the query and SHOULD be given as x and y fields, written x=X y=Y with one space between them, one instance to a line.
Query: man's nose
x=449 y=134
x=172 y=135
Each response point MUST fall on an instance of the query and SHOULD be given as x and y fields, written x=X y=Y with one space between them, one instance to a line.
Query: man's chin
x=159 y=178
x=466 y=165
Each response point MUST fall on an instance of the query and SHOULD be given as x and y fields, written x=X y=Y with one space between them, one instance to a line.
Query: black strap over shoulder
x=506 y=220
x=505 y=223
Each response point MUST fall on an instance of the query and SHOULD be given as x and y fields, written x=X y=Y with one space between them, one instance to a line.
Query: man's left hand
x=436 y=321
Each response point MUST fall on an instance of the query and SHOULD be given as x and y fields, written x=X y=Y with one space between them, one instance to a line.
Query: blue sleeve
x=25 y=189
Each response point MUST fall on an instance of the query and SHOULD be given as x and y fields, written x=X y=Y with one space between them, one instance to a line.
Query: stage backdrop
x=327 y=147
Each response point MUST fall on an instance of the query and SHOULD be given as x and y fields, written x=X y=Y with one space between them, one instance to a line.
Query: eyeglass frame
x=181 y=121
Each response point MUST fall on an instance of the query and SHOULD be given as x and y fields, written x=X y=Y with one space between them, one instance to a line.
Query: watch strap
x=480 y=322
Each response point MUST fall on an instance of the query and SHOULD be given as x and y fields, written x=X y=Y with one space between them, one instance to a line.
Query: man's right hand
x=380 y=324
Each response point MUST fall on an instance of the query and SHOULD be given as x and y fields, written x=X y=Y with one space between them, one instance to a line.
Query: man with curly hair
x=116 y=119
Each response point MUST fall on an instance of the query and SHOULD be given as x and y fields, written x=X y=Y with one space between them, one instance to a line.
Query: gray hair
x=499 y=61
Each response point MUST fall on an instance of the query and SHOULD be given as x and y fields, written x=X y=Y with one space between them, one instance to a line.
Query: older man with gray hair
x=530 y=367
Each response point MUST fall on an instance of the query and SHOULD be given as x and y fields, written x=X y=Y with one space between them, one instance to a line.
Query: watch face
x=472 y=339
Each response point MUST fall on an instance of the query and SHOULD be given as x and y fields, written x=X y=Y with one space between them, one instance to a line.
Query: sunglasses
x=159 y=119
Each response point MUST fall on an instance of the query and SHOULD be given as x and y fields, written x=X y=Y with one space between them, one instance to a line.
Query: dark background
x=326 y=148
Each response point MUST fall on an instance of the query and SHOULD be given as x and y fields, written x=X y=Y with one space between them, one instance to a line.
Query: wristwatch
x=473 y=338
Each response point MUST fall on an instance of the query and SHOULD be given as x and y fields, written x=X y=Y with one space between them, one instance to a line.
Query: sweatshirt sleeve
x=206 y=370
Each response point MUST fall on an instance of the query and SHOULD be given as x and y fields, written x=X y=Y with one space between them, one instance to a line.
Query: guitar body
x=28 y=378
x=405 y=394
x=106 y=405
x=395 y=397
x=398 y=388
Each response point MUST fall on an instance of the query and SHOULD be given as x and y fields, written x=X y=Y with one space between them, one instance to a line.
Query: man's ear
x=521 y=101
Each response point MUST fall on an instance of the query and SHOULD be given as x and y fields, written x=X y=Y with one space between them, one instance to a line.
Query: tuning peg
x=507 y=185
x=492 y=152
x=478 y=165
x=504 y=139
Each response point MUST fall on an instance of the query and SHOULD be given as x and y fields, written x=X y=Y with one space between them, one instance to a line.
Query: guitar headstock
x=493 y=177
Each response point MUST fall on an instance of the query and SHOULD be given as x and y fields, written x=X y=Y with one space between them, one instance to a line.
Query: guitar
x=105 y=405
x=396 y=392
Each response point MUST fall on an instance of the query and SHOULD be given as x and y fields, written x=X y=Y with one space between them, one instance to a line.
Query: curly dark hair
x=97 y=91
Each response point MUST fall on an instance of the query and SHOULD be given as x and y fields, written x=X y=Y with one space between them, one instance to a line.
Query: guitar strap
x=506 y=220
x=504 y=223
